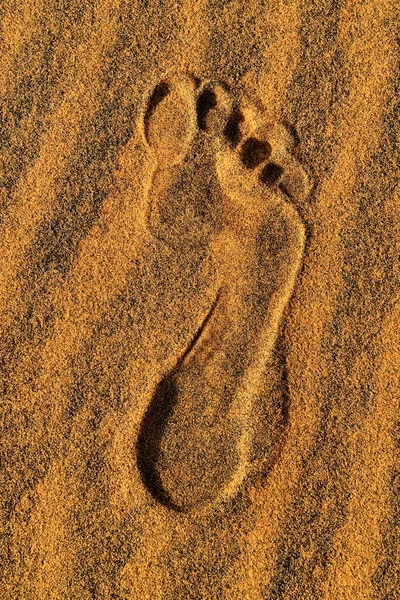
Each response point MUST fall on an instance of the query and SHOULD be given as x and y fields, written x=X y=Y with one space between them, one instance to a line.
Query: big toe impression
x=170 y=119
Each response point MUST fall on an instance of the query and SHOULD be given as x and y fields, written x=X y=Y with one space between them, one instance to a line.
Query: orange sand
x=199 y=315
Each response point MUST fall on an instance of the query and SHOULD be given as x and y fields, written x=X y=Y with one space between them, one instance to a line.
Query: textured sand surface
x=199 y=300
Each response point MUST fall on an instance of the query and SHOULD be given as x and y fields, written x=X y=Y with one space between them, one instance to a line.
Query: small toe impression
x=295 y=182
x=206 y=101
x=268 y=152
x=170 y=119
x=271 y=173
x=232 y=130
x=254 y=152
x=213 y=107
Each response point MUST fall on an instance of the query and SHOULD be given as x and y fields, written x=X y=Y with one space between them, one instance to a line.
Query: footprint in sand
x=225 y=180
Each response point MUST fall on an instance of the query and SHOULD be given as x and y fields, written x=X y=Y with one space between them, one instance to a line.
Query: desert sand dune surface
x=199 y=300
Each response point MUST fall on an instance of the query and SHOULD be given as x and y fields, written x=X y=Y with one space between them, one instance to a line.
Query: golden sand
x=199 y=300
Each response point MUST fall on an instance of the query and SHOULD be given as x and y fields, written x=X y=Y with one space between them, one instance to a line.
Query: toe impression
x=213 y=107
x=169 y=122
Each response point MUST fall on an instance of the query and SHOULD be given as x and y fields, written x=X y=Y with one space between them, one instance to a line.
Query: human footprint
x=223 y=181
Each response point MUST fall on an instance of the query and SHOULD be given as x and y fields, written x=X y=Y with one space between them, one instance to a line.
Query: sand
x=199 y=300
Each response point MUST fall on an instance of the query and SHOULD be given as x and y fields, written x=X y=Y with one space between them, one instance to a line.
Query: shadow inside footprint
x=160 y=92
x=151 y=433
x=205 y=102
x=271 y=173
x=254 y=152
x=232 y=128
x=155 y=423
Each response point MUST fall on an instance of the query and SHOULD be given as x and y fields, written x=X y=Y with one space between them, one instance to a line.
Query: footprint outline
x=265 y=152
